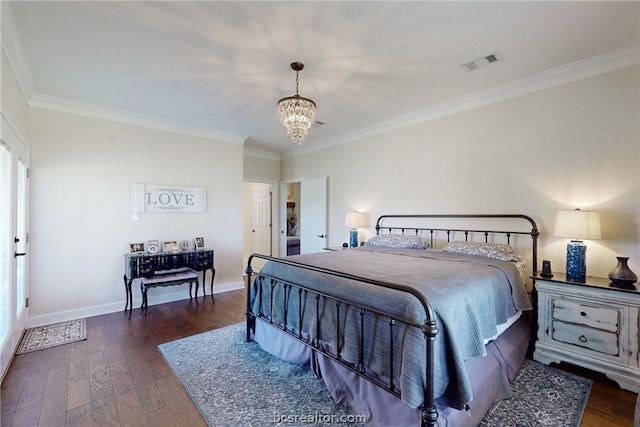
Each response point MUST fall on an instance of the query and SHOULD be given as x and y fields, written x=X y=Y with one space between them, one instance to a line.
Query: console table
x=147 y=265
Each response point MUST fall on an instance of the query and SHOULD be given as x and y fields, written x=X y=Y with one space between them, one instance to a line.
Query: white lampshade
x=578 y=225
x=356 y=220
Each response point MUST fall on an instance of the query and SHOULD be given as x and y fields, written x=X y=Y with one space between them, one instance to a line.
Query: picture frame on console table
x=153 y=247
x=199 y=241
x=186 y=245
x=136 y=248
x=170 y=246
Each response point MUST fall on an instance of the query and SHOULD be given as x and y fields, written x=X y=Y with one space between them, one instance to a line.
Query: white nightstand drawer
x=605 y=318
x=586 y=337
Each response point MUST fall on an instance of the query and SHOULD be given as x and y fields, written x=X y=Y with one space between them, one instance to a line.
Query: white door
x=14 y=212
x=313 y=215
x=261 y=222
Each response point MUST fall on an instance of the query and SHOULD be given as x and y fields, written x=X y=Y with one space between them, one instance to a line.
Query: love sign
x=166 y=198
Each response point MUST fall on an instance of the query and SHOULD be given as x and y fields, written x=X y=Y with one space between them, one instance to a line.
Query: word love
x=166 y=199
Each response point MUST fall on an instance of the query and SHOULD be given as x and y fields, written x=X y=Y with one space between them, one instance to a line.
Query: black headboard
x=402 y=224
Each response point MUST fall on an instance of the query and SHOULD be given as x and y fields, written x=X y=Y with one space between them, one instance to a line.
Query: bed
x=423 y=325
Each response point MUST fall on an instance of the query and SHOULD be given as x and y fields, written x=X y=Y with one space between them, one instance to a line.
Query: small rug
x=234 y=383
x=48 y=336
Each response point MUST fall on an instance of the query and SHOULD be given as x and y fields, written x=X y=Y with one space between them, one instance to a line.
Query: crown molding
x=582 y=69
x=127 y=117
x=263 y=154
x=12 y=49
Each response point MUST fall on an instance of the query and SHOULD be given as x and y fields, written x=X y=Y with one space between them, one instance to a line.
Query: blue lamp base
x=576 y=260
x=353 y=238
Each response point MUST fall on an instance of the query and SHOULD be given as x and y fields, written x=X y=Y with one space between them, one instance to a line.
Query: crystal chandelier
x=296 y=112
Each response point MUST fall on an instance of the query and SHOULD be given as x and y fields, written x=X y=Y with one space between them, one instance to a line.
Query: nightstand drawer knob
x=582 y=338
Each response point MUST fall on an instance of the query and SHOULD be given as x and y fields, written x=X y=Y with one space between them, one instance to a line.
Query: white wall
x=575 y=145
x=80 y=221
x=261 y=168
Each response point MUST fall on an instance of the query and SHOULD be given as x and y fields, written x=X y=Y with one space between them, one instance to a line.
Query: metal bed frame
x=429 y=413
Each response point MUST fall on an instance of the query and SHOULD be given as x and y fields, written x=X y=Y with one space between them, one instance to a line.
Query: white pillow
x=399 y=241
x=490 y=250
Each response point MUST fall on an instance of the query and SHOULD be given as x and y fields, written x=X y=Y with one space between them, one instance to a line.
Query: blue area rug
x=235 y=383
x=542 y=396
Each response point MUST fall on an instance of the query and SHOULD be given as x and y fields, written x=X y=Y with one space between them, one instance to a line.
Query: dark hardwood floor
x=118 y=376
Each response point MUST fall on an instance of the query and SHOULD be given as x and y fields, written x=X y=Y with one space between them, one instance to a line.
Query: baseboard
x=177 y=295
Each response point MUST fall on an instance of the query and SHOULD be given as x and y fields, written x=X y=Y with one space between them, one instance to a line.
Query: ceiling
x=218 y=68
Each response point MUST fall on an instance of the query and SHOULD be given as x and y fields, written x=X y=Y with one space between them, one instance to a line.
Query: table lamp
x=577 y=225
x=355 y=220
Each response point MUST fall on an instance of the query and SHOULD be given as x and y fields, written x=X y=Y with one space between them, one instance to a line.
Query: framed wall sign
x=166 y=198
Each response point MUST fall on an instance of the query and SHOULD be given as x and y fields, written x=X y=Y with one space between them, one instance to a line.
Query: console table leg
x=143 y=307
x=128 y=295
x=130 y=298
x=204 y=286
x=213 y=274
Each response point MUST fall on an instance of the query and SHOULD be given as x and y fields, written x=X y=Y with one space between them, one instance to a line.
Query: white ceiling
x=218 y=68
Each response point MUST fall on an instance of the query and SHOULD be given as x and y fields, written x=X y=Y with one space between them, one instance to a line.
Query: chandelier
x=296 y=112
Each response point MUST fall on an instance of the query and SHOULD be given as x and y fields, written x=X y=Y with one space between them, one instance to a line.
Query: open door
x=14 y=231
x=313 y=215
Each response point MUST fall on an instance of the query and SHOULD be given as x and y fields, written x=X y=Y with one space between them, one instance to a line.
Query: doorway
x=292 y=225
x=310 y=198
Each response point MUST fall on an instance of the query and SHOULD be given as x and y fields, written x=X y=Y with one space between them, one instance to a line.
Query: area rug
x=542 y=396
x=53 y=335
x=234 y=383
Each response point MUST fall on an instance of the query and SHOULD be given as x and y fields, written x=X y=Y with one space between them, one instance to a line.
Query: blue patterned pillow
x=490 y=250
x=399 y=241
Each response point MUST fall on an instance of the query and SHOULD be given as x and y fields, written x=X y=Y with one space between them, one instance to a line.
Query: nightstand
x=590 y=324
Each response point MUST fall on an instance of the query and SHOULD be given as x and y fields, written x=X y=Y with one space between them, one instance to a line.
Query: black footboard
x=293 y=312
x=286 y=298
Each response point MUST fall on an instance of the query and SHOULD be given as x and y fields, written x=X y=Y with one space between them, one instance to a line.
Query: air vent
x=482 y=61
